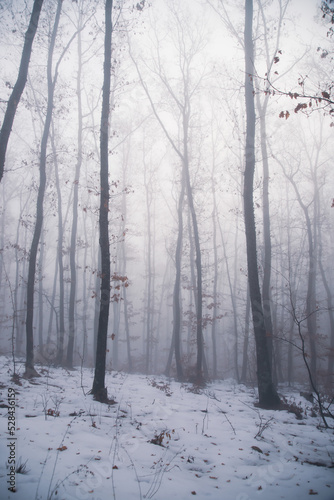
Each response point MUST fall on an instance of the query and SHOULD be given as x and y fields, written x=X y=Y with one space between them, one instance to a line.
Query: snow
x=161 y=440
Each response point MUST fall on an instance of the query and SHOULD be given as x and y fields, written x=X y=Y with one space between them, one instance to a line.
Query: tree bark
x=268 y=397
x=99 y=390
x=20 y=83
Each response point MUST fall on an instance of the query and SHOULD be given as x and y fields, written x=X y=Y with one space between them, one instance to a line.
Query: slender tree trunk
x=149 y=333
x=20 y=83
x=198 y=259
x=30 y=370
x=20 y=271
x=185 y=61
x=215 y=276
x=266 y=298
x=99 y=390
x=244 y=368
x=84 y=295
x=162 y=302
x=176 y=336
x=73 y=284
x=330 y=304
x=60 y=343
x=115 y=331
x=127 y=330
x=268 y=396
x=97 y=300
x=124 y=262
x=311 y=280
x=233 y=300
x=290 y=353
x=53 y=299
x=311 y=306
x=40 y=296
x=276 y=370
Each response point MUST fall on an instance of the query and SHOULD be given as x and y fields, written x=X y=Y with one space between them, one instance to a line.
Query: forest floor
x=160 y=440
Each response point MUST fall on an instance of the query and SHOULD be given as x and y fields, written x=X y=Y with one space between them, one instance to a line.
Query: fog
x=171 y=61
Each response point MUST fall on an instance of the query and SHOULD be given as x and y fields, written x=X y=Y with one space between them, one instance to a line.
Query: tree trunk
x=99 y=390
x=20 y=83
x=149 y=333
x=268 y=397
x=40 y=296
x=97 y=294
x=60 y=343
x=124 y=262
x=176 y=338
x=266 y=298
x=215 y=276
x=73 y=284
x=185 y=60
x=311 y=307
x=198 y=258
x=233 y=296
x=330 y=303
x=244 y=368
x=30 y=370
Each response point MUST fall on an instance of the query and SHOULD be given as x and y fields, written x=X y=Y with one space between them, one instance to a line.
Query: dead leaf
x=256 y=448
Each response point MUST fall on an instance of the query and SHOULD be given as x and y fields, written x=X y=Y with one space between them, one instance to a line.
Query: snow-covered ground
x=161 y=440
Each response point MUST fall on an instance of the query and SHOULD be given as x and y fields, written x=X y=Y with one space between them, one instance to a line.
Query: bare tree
x=188 y=45
x=52 y=77
x=262 y=102
x=20 y=83
x=71 y=312
x=268 y=396
x=30 y=370
x=99 y=390
x=59 y=260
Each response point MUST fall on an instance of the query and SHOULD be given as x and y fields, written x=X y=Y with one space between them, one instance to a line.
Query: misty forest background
x=177 y=92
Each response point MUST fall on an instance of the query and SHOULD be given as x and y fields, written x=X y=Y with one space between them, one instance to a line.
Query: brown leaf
x=256 y=448
x=301 y=105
